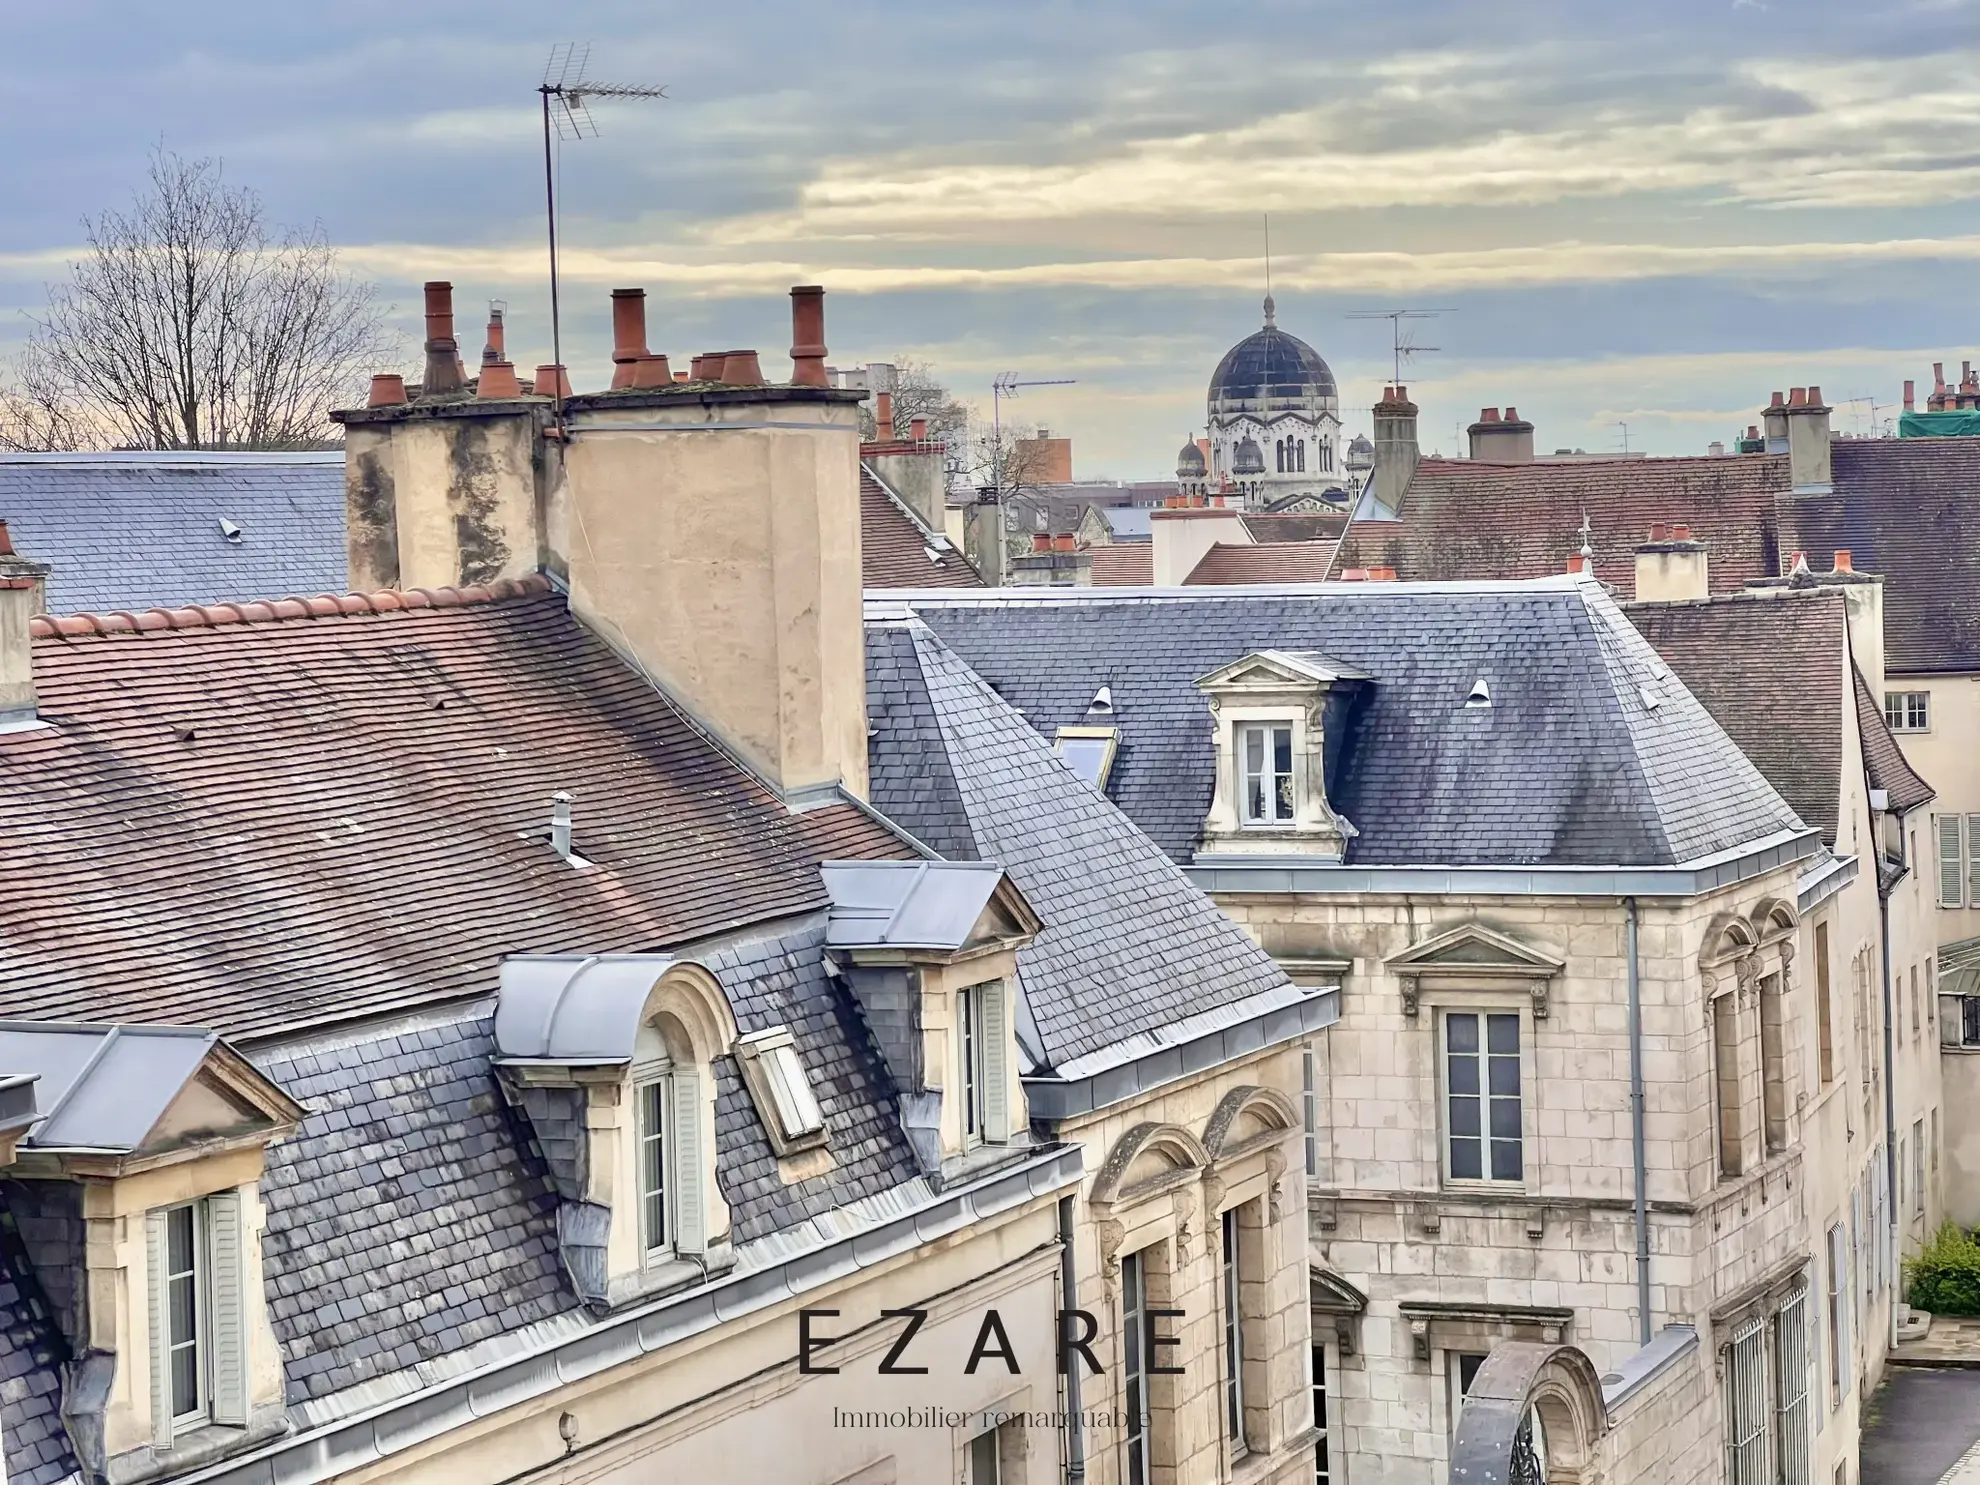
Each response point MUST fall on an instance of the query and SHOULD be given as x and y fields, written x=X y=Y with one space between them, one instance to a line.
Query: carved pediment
x=1471 y=951
x=1281 y=670
x=1246 y=1119
x=1149 y=1159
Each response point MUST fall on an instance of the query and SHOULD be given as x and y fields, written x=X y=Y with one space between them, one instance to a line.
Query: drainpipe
x=1068 y=1302
x=1636 y=1125
x=1890 y=1093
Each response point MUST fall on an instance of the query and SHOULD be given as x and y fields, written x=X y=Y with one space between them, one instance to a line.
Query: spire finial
x=1586 y=549
x=1271 y=309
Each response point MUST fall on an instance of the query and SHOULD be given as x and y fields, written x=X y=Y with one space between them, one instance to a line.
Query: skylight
x=1088 y=751
x=783 y=1095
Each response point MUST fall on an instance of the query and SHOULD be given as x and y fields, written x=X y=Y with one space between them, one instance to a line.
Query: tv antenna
x=1006 y=385
x=566 y=92
x=1625 y=434
x=1402 y=342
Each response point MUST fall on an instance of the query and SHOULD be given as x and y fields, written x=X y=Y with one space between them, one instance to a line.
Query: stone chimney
x=1181 y=538
x=23 y=590
x=1773 y=419
x=983 y=540
x=443 y=353
x=1671 y=567
x=1396 y=453
x=1501 y=440
x=1808 y=440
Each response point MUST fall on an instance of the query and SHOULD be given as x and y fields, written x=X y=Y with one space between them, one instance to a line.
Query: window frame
x=655 y=1086
x=199 y=1255
x=1231 y=1285
x=1904 y=706
x=1838 y=1303
x=970 y=1065
x=1482 y=1055
x=1825 y=1042
x=1746 y=1404
x=1323 y=1471
x=1138 y=1427
x=1109 y=739
x=1268 y=773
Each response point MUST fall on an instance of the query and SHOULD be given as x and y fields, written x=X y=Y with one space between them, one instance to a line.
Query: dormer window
x=983 y=1064
x=186 y=1282
x=656 y=1228
x=1266 y=751
x=668 y=1137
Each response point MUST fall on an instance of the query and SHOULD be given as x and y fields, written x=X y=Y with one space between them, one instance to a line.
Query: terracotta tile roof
x=1468 y=519
x=1267 y=562
x=894 y=547
x=1770 y=670
x=1909 y=509
x=1314 y=526
x=1883 y=759
x=247 y=822
x=1123 y=565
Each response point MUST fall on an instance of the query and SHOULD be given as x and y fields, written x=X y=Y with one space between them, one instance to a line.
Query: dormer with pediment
x=930 y=950
x=1472 y=957
x=1273 y=713
x=137 y=1192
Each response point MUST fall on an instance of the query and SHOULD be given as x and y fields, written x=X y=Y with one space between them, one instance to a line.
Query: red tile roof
x=1883 y=759
x=1771 y=671
x=1465 y=518
x=1123 y=565
x=1279 y=526
x=246 y=822
x=894 y=547
x=1267 y=562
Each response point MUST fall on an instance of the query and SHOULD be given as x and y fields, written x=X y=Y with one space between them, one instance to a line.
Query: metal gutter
x=1819 y=883
x=1642 y=1367
x=1098 y=1081
x=336 y=1448
x=1279 y=876
x=1640 y=1170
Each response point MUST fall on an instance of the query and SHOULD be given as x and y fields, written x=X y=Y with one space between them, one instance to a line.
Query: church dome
x=1190 y=463
x=1250 y=458
x=1270 y=372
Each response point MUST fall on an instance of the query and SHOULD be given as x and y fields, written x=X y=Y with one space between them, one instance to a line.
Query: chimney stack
x=1773 y=418
x=808 y=336
x=633 y=365
x=1396 y=451
x=497 y=348
x=883 y=417
x=443 y=352
x=1908 y=403
x=22 y=590
x=1807 y=420
x=1671 y=568
x=918 y=429
x=1180 y=538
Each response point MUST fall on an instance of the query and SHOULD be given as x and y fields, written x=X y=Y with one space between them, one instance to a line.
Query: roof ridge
x=323 y=606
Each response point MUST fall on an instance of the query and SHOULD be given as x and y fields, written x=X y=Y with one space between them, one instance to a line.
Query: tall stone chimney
x=22 y=590
x=1808 y=440
x=1396 y=453
x=1501 y=440
x=1773 y=420
x=1671 y=567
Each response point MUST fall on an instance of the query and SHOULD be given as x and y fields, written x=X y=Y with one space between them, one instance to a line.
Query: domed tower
x=1248 y=469
x=1273 y=390
x=1192 y=470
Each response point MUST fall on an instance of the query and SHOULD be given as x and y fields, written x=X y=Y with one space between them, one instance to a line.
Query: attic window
x=1088 y=751
x=1481 y=693
x=775 y=1074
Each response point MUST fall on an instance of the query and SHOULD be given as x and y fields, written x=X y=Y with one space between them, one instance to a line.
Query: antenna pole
x=550 y=212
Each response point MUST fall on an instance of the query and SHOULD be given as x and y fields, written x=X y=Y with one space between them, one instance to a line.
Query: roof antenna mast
x=1402 y=343
x=565 y=91
x=1271 y=309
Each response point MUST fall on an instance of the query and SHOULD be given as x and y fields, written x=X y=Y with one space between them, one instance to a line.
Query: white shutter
x=227 y=1304
x=1973 y=860
x=1950 y=872
x=161 y=1340
x=690 y=1197
x=996 y=1063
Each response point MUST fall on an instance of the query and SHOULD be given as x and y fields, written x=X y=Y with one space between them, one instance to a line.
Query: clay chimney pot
x=628 y=334
x=883 y=417
x=1381 y=574
x=1844 y=562
x=1512 y=415
x=1779 y=400
x=651 y=371
x=1488 y=415
x=497 y=348
x=388 y=389
x=1814 y=396
x=443 y=353
x=1680 y=533
x=741 y=369
x=1577 y=563
x=1656 y=530
x=1040 y=542
x=1354 y=575
x=552 y=381
x=918 y=429
x=1908 y=403
x=808 y=336
x=498 y=381
x=1797 y=396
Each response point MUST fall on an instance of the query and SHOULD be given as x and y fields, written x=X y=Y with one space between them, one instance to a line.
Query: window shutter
x=227 y=1303
x=690 y=1199
x=1949 y=862
x=161 y=1340
x=996 y=1064
x=1973 y=860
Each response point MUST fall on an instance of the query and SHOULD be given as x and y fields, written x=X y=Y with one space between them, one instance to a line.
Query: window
x=1463 y=1371
x=1266 y=773
x=1725 y=1077
x=1482 y=1085
x=774 y=1073
x=1300 y=448
x=1743 y=1364
x=980 y=1059
x=656 y=1227
x=1233 y=1336
x=1788 y=1337
x=1959 y=859
x=1322 y=1475
x=1310 y=1110
x=1825 y=1043
x=1839 y=1366
x=198 y=1337
x=1088 y=751
x=985 y=1466
x=1918 y=1166
x=1917 y=1015
x=667 y=1150
x=1773 y=1064
x=1134 y=1369
x=1908 y=711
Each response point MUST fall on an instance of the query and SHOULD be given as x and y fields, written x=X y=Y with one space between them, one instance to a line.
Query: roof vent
x=230 y=531
x=1651 y=700
x=1102 y=703
x=560 y=829
x=1481 y=693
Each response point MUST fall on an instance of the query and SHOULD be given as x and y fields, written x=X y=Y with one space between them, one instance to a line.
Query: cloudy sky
x=1646 y=215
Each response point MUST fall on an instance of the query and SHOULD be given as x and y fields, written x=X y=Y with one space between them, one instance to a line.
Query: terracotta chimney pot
x=741 y=369
x=1488 y=415
x=1797 y=396
x=1844 y=562
x=388 y=389
x=1512 y=415
x=1779 y=400
x=1577 y=563
x=1040 y=542
x=918 y=429
x=808 y=336
x=1381 y=574
x=1657 y=530
x=651 y=371
x=883 y=417
x=443 y=352
x=705 y=367
x=628 y=334
x=498 y=380
x=681 y=376
x=1814 y=396
x=552 y=381
x=1680 y=533
x=1908 y=404
x=1938 y=376
x=1065 y=542
x=1796 y=559
x=1354 y=575
x=6 y=541
x=497 y=348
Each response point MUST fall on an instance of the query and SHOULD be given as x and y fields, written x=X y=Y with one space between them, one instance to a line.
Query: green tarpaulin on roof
x=1956 y=424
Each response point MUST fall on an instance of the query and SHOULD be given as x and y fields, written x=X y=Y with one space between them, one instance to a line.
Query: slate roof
x=1468 y=519
x=1771 y=672
x=1883 y=760
x=1128 y=943
x=134 y=531
x=1568 y=766
x=1269 y=371
x=1908 y=509
x=895 y=547
x=32 y=1351
x=1229 y=563
x=219 y=809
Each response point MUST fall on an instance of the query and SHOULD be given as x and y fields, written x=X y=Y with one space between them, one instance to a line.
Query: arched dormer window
x=667 y=1138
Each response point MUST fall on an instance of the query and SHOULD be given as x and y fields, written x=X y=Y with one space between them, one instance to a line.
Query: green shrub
x=1945 y=1277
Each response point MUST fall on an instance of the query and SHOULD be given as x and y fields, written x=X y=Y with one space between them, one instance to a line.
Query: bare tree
x=919 y=393
x=34 y=415
x=188 y=326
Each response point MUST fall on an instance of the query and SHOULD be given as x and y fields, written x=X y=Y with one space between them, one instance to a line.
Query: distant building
x=1275 y=423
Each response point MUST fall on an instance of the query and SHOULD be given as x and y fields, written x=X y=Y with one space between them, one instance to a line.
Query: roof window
x=776 y=1077
x=1088 y=751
